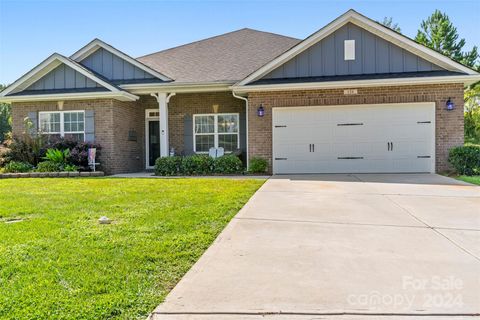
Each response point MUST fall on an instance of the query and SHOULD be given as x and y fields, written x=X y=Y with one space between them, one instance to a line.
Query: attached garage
x=380 y=138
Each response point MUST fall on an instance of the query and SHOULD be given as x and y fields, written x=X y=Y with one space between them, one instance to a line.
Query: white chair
x=216 y=152
x=212 y=152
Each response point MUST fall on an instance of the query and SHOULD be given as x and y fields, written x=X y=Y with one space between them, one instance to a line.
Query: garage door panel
x=291 y=151
x=375 y=138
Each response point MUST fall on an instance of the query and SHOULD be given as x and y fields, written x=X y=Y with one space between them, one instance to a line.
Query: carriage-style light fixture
x=449 y=105
x=260 y=111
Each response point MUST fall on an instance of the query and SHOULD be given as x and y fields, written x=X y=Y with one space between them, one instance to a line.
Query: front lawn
x=470 y=179
x=59 y=263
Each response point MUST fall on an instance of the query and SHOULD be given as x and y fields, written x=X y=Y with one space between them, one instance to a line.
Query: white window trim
x=62 y=123
x=215 y=133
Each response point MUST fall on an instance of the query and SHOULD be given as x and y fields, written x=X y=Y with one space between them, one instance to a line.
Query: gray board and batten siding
x=63 y=77
x=113 y=67
x=373 y=55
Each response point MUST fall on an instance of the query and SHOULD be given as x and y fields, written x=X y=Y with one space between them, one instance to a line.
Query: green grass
x=59 y=263
x=470 y=179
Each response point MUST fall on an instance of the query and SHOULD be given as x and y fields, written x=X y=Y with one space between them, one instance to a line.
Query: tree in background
x=5 y=118
x=472 y=115
x=438 y=33
x=388 y=22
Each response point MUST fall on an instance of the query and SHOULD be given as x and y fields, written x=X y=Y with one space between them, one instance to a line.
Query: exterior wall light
x=260 y=111
x=450 y=105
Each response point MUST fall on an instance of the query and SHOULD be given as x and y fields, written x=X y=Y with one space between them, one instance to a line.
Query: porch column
x=162 y=99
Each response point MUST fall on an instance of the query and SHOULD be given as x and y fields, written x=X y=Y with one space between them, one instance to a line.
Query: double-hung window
x=214 y=131
x=66 y=124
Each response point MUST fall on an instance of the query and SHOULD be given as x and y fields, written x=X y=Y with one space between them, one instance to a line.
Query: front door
x=153 y=142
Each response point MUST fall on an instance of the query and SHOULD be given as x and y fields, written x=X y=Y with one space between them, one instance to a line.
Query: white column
x=163 y=122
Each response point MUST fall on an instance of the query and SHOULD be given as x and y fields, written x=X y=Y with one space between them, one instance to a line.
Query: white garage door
x=354 y=139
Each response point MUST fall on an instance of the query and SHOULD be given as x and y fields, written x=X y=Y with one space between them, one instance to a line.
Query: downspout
x=246 y=126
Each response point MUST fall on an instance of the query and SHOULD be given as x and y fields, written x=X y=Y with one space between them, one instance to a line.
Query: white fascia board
x=48 y=65
x=120 y=95
x=176 y=87
x=466 y=80
x=363 y=22
x=40 y=70
x=96 y=44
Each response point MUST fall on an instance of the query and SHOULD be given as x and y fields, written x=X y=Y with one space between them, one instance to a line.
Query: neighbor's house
x=354 y=96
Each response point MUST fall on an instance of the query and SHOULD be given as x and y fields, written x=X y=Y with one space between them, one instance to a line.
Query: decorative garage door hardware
x=350 y=124
x=280 y=126
x=422 y=157
x=349 y=158
x=312 y=147
x=389 y=146
x=420 y=122
x=280 y=158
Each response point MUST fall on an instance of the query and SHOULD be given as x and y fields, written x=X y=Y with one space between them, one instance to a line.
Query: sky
x=31 y=30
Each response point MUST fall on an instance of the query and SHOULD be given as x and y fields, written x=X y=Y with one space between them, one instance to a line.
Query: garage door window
x=216 y=130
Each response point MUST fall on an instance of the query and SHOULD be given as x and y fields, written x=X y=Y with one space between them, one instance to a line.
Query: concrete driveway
x=367 y=246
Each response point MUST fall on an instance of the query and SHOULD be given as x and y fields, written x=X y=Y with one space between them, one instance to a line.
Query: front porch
x=182 y=124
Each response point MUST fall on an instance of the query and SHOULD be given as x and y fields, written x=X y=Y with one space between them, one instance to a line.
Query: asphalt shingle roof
x=227 y=57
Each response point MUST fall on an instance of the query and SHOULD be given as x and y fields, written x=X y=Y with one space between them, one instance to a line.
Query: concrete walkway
x=357 y=246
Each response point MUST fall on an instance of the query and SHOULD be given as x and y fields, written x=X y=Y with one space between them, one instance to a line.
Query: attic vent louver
x=349 y=48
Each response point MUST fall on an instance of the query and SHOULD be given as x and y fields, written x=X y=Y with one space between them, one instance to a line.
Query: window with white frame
x=216 y=130
x=66 y=124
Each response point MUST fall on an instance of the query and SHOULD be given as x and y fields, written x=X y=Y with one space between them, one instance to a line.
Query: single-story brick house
x=354 y=96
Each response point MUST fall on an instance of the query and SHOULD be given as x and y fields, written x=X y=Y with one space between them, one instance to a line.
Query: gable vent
x=349 y=47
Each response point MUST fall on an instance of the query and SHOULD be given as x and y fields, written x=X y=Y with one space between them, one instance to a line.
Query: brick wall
x=449 y=124
x=114 y=120
x=188 y=104
x=128 y=137
x=103 y=109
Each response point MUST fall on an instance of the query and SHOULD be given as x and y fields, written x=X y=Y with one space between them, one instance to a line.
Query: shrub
x=465 y=159
x=33 y=149
x=228 y=164
x=25 y=148
x=70 y=168
x=57 y=156
x=49 y=166
x=168 y=166
x=258 y=165
x=78 y=151
x=14 y=167
x=196 y=164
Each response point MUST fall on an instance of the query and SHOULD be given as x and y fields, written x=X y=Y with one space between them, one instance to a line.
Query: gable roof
x=229 y=57
x=16 y=90
x=374 y=27
x=96 y=44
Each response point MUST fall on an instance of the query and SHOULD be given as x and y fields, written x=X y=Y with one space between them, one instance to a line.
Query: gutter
x=185 y=87
x=465 y=79
x=246 y=126
x=120 y=95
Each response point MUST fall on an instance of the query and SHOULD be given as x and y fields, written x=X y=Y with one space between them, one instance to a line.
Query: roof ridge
x=213 y=37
